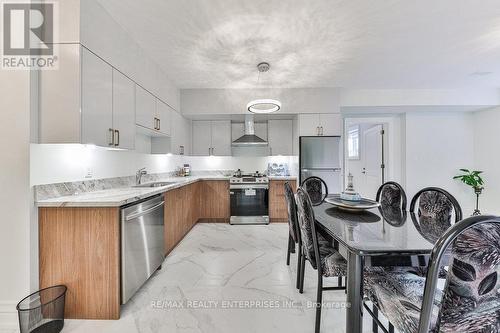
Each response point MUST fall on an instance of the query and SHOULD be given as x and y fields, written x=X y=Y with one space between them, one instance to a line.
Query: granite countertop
x=117 y=197
x=282 y=177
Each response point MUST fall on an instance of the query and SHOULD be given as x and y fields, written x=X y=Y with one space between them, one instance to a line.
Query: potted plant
x=474 y=180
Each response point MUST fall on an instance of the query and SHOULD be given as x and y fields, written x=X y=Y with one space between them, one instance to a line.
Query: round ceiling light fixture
x=265 y=105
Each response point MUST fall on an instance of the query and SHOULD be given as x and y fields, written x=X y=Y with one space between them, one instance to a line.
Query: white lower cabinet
x=280 y=137
x=211 y=137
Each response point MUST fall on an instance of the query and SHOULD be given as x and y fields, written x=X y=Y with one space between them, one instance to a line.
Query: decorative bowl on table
x=350 y=199
x=359 y=205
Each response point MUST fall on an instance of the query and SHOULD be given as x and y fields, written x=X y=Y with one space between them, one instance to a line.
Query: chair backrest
x=316 y=188
x=436 y=203
x=292 y=213
x=307 y=227
x=471 y=300
x=392 y=194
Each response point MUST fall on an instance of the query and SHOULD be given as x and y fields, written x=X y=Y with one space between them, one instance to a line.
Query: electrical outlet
x=89 y=173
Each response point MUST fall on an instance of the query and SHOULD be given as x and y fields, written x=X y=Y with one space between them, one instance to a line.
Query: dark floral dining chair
x=320 y=253
x=470 y=299
x=293 y=229
x=392 y=199
x=436 y=208
x=391 y=194
x=316 y=188
x=431 y=210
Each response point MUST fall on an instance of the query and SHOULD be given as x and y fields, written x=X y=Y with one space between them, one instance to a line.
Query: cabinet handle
x=111 y=137
x=209 y=151
x=117 y=133
x=321 y=130
x=317 y=130
x=159 y=124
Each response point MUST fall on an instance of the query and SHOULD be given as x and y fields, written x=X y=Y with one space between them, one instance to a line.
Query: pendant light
x=265 y=105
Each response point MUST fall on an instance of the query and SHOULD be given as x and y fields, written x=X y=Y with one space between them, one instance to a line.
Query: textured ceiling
x=318 y=43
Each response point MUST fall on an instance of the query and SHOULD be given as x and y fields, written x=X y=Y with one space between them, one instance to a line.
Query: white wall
x=67 y=163
x=245 y=163
x=234 y=101
x=15 y=193
x=487 y=157
x=437 y=145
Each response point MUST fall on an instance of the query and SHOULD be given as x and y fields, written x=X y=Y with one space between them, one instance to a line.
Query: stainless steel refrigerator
x=321 y=156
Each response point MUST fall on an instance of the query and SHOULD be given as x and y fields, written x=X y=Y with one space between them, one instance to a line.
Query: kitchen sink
x=155 y=184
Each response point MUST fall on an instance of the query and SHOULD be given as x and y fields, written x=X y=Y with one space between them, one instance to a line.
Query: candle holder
x=478 y=191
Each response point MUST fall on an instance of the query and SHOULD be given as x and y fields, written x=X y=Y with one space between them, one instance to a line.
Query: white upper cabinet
x=123 y=111
x=212 y=138
x=330 y=124
x=145 y=108
x=59 y=100
x=163 y=114
x=97 y=100
x=280 y=137
x=180 y=134
x=202 y=138
x=221 y=138
x=320 y=124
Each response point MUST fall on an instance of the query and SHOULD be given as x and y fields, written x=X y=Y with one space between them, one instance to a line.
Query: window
x=353 y=143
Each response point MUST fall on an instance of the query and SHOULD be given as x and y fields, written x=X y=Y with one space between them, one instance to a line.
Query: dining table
x=383 y=236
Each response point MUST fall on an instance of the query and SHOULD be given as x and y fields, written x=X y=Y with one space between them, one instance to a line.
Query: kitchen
x=152 y=163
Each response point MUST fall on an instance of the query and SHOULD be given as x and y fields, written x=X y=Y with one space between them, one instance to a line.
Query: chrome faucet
x=138 y=175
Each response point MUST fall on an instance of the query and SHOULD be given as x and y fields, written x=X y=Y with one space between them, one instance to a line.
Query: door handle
x=147 y=211
x=111 y=137
x=117 y=134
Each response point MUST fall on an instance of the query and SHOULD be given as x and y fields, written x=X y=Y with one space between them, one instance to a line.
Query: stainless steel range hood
x=249 y=139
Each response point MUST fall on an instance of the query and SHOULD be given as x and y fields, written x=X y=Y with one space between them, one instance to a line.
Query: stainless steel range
x=249 y=198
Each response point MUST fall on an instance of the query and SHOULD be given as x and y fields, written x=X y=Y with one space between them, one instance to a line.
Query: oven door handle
x=249 y=187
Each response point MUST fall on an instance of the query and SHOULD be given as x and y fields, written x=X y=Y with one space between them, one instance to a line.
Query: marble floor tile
x=224 y=278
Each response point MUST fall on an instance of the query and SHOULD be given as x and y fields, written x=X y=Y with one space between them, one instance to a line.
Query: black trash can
x=42 y=311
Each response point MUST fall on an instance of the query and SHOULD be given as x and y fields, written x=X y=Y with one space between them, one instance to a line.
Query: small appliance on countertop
x=249 y=193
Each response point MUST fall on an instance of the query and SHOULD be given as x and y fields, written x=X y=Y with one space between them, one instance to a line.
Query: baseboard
x=213 y=220
x=8 y=316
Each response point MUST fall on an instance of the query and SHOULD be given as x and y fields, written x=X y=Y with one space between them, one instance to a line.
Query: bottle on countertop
x=187 y=170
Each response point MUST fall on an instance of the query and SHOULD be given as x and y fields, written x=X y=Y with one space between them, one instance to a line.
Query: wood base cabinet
x=80 y=248
x=181 y=213
x=214 y=201
x=278 y=211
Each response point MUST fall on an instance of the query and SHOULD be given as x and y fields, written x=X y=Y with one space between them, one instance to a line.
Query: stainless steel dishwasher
x=142 y=242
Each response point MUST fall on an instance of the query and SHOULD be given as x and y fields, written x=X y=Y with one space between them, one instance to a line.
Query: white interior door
x=371 y=178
